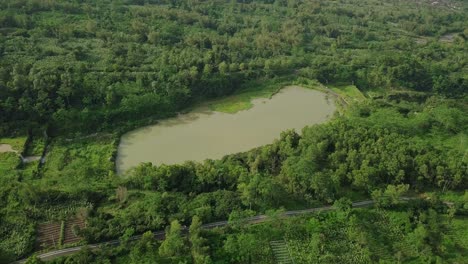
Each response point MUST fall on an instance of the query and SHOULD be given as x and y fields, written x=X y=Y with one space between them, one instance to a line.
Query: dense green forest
x=88 y=65
x=75 y=75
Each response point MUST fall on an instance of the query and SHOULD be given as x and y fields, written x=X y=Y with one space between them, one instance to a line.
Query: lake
x=204 y=134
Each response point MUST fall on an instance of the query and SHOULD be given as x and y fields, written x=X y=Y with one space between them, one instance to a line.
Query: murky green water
x=204 y=134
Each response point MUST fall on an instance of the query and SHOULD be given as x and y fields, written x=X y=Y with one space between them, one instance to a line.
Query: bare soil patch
x=6 y=148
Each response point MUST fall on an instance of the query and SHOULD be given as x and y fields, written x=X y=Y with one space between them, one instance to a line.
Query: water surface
x=204 y=134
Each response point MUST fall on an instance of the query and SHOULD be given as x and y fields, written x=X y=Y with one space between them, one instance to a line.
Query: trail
x=160 y=235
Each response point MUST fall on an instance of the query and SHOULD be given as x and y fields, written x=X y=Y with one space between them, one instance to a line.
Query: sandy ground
x=6 y=148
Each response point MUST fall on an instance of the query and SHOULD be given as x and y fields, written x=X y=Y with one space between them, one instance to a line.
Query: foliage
x=391 y=196
x=79 y=163
x=199 y=250
x=34 y=260
x=350 y=92
x=413 y=233
x=9 y=161
x=83 y=66
x=173 y=244
x=72 y=68
x=17 y=143
x=376 y=144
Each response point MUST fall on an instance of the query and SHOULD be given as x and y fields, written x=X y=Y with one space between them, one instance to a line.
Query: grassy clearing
x=81 y=160
x=8 y=162
x=242 y=100
x=231 y=105
x=30 y=169
x=349 y=92
x=16 y=143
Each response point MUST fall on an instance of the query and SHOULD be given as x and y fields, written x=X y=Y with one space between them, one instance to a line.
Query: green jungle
x=75 y=75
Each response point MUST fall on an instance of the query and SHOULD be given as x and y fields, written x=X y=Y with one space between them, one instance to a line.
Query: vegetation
x=82 y=66
x=411 y=232
x=79 y=162
x=9 y=161
x=342 y=158
x=16 y=143
x=36 y=147
x=242 y=99
x=74 y=75
x=350 y=92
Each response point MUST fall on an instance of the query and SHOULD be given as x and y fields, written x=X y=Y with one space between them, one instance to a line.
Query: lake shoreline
x=214 y=134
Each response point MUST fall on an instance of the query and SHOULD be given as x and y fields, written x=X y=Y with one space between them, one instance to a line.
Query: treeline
x=94 y=64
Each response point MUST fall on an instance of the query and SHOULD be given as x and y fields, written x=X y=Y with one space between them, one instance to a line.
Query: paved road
x=160 y=234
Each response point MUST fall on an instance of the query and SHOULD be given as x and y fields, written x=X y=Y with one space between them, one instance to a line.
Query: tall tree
x=173 y=246
x=199 y=250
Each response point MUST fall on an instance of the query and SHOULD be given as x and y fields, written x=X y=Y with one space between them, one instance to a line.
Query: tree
x=173 y=246
x=343 y=205
x=233 y=67
x=65 y=90
x=153 y=37
x=249 y=190
x=268 y=67
x=242 y=248
x=193 y=73
x=391 y=196
x=223 y=68
x=207 y=70
x=144 y=250
x=125 y=239
x=198 y=249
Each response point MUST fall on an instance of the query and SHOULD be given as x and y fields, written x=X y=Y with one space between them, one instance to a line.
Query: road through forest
x=160 y=234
